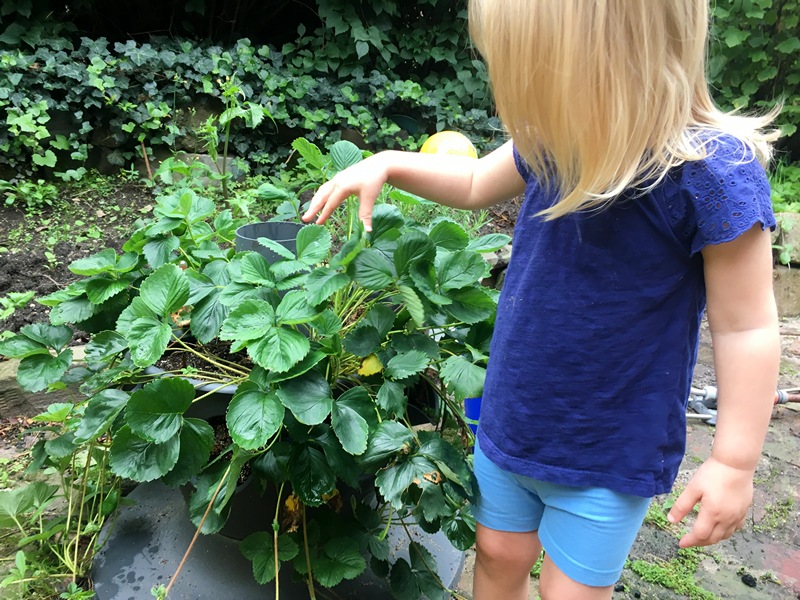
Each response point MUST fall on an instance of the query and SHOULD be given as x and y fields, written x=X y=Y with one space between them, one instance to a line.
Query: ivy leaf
x=310 y=475
x=35 y=373
x=155 y=412
x=407 y=364
x=165 y=290
x=259 y=548
x=341 y=560
x=196 y=442
x=308 y=397
x=254 y=416
x=140 y=460
x=101 y=410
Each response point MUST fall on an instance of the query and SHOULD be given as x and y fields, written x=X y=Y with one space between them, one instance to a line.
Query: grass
x=776 y=515
x=676 y=574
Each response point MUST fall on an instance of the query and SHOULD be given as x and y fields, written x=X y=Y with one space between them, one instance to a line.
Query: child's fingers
x=683 y=505
x=318 y=201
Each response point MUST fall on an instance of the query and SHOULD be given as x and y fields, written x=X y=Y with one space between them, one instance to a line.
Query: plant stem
x=197 y=532
x=275 y=541
x=308 y=557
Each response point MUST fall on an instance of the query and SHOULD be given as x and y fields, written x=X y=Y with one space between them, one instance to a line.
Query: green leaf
x=345 y=154
x=459 y=269
x=35 y=373
x=259 y=548
x=279 y=350
x=413 y=247
x=251 y=320
x=449 y=235
x=424 y=566
x=55 y=337
x=101 y=410
x=104 y=346
x=21 y=346
x=460 y=530
x=373 y=270
x=344 y=465
x=395 y=480
x=463 y=379
x=413 y=304
x=147 y=339
x=137 y=309
x=402 y=582
x=295 y=309
x=269 y=192
x=341 y=560
x=310 y=152
x=166 y=290
x=207 y=317
x=351 y=248
x=160 y=251
x=381 y=317
x=73 y=311
x=471 y=305
x=196 y=442
x=348 y=423
x=391 y=398
x=55 y=413
x=386 y=219
x=789 y=45
x=308 y=397
x=407 y=364
x=102 y=262
x=489 y=243
x=100 y=289
x=254 y=416
x=313 y=244
x=17 y=502
x=206 y=485
x=155 y=412
x=256 y=270
x=390 y=440
x=310 y=475
x=363 y=340
x=322 y=283
x=140 y=460
x=327 y=324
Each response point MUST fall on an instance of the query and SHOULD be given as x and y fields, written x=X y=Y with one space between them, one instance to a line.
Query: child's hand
x=725 y=494
x=364 y=179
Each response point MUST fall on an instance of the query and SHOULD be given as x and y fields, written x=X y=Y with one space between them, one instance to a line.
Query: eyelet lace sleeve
x=728 y=192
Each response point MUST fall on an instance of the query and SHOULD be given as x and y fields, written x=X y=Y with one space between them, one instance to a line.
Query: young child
x=644 y=204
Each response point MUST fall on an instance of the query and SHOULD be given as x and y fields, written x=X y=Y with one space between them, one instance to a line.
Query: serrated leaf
x=402 y=582
x=372 y=269
x=35 y=373
x=196 y=442
x=251 y=320
x=347 y=421
x=388 y=441
x=55 y=337
x=308 y=397
x=362 y=341
x=386 y=219
x=137 y=309
x=471 y=305
x=207 y=317
x=295 y=309
x=457 y=270
x=256 y=270
x=254 y=416
x=413 y=304
x=104 y=346
x=341 y=560
x=135 y=458
x=463 y=379
x=407 y=364
x=310 y=475
x=310 y=152
x=21 y=346
x=313 y=244
x=100 y=289
x=413 y=247
x=277 y=248
x=101 y=410
x=448 y=235
x=147 y=339
x=345 y=154
x=101 y=262
x=424 y=566
x=391 y=398
x=322 y=283
x=165 y=290
x=155 y=412
x=489 y=243
x=159 y=251
x=279 y=350
x=393 y=481
x=259 y=548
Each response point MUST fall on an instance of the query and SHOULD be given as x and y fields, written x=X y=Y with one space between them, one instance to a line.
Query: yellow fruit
x=449 y=142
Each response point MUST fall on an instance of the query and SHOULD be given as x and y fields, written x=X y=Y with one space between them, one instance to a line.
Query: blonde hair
x=601 y=96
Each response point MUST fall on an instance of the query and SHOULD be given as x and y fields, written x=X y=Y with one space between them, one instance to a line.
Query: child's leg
x=554 y=584
x=503 y=564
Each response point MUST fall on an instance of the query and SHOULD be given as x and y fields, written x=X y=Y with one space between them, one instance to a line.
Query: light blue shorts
x=586 y=532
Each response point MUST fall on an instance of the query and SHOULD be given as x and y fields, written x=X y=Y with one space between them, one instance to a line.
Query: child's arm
x=454 y=181
x=744 y=332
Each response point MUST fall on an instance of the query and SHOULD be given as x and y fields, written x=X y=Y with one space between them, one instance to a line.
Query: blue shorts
x=586 y=532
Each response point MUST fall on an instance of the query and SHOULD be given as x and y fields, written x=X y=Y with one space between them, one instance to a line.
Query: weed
x=676 y=574
x=11 y=302
x=776 y=515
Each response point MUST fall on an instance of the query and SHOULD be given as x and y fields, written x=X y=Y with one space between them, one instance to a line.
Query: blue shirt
x=598 y=323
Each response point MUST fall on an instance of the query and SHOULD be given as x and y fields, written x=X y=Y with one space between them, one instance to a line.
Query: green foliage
x=755 y=58
x=676 y=574
x=326 y=345
x=33 y=195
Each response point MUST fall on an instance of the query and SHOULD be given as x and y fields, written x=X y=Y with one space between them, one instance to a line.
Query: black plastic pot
x=283 y=232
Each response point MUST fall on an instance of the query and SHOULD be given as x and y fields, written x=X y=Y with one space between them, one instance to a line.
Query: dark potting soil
x=177 y=359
